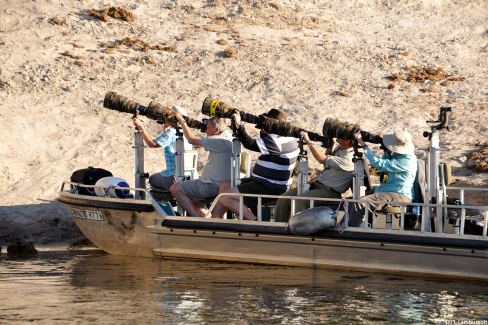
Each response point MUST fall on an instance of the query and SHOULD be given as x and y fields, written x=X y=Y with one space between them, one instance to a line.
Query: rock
x=21 y=247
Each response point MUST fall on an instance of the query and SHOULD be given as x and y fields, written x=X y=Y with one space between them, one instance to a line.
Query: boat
x=141 y=227
x=144 y=226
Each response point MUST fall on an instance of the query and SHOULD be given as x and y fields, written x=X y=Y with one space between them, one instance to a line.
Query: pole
x=358 y=187
x=302 y=180
x=140 y=177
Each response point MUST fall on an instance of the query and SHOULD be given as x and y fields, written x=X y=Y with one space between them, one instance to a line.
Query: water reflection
x=95 y=288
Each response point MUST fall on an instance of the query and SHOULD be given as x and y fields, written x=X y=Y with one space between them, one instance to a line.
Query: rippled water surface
x=90 y=287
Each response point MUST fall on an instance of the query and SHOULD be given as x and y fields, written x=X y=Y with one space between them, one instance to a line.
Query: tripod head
x=441 y=123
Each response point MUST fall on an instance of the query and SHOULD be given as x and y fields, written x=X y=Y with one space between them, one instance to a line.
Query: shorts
x=198 y=190
x=252 y=186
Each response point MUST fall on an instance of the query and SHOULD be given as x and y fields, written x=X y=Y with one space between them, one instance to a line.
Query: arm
x=147 y=139
x=193 y=139
x=390 y=164
x=248 y=142
x=319 y=155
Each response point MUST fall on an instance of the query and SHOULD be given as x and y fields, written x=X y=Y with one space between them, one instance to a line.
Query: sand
x=361 y=61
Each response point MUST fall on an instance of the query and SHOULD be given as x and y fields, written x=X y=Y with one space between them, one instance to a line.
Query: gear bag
x=87 y=176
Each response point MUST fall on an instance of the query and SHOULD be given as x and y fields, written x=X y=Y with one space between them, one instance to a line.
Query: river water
x=83 y=287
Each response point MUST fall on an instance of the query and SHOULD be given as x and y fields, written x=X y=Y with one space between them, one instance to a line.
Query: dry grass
x=57 y=21
x=71 y=55
x=478 y=160
x=415 y=74
x=230 y=53
x=114 y=12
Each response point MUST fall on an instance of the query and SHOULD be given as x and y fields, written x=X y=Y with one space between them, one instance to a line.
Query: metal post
x=140 y=177
x=180 y=155
x=485 y=223
x=180 y=160
x=302 y=181
x=402 y=217
x=235 y=177
x=463 y=212
x=358 y=187
x=260 y=217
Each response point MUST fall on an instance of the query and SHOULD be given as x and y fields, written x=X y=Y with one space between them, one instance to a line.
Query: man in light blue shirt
x=166 y=140
x=400 y=162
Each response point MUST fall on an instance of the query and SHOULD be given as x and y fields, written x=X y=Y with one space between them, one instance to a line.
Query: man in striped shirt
x=271 y=173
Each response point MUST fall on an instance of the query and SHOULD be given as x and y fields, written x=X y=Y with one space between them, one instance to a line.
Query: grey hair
x=218 y=123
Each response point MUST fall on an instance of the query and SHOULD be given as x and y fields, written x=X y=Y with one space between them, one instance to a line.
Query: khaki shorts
x=198 y=190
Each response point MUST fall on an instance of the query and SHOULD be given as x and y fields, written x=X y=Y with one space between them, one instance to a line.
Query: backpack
x=87 y=176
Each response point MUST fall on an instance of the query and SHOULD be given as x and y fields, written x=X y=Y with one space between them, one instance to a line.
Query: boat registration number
x=87 y=214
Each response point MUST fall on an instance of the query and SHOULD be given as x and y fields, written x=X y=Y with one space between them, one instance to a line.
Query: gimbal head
x=443 y=121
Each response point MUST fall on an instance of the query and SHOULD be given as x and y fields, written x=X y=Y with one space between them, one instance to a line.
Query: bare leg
x=192 y=208
x=232 y=203
x=219 y=209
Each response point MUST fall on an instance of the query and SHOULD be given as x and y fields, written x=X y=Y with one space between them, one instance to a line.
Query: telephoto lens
x=334 y=128
x=195 y=124
x=286 y=129
x=154 y=111
x=215 y=107
x=120 y=103
x=123 y=104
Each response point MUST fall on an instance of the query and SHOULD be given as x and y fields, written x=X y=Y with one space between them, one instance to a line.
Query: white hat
x=399 y=142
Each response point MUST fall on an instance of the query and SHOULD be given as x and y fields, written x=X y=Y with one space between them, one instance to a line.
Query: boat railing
x=342 y=203
x=405 y=209
x=148 y=195
x=461 y=190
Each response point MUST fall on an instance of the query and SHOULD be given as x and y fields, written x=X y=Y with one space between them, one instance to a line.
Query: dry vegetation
x=478 y=160
x=114 y=12
x=416 y=74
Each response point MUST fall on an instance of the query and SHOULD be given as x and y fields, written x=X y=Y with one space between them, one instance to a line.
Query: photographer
x=334 y=180
x=400 y=162
x=166 y=140
x=271 y=173
x=218 y=142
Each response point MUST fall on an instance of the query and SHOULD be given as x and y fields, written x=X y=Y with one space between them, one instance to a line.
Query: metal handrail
x=148 y=194
x=403 y=206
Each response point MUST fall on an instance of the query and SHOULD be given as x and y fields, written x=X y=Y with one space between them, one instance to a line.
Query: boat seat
x=410 y=219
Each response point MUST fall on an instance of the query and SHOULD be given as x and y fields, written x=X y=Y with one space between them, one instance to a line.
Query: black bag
x=88 y=176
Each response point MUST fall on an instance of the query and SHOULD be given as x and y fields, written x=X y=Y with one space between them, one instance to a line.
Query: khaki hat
x=399 y=142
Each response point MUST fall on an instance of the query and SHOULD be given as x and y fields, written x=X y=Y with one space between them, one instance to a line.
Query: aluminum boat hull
x=132 y=227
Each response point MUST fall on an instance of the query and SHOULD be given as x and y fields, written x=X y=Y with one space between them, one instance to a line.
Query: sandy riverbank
x=360 y=61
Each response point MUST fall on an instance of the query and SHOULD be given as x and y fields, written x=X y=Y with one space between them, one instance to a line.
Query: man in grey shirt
x=334 y=180
x=218 y=142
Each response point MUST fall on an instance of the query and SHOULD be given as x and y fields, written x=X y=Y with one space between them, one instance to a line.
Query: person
x=271 y=173
x=400 y=162
x=217 y=140
x=331 y=183
x=166 y=140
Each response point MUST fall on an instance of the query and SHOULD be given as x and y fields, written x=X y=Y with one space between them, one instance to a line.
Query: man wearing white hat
x=400 y=162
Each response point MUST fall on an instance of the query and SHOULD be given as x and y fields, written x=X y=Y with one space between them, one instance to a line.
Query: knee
x=175 y=188
x=224 y=186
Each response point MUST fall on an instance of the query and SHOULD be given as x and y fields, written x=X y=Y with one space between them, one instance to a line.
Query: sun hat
x=399 y=142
